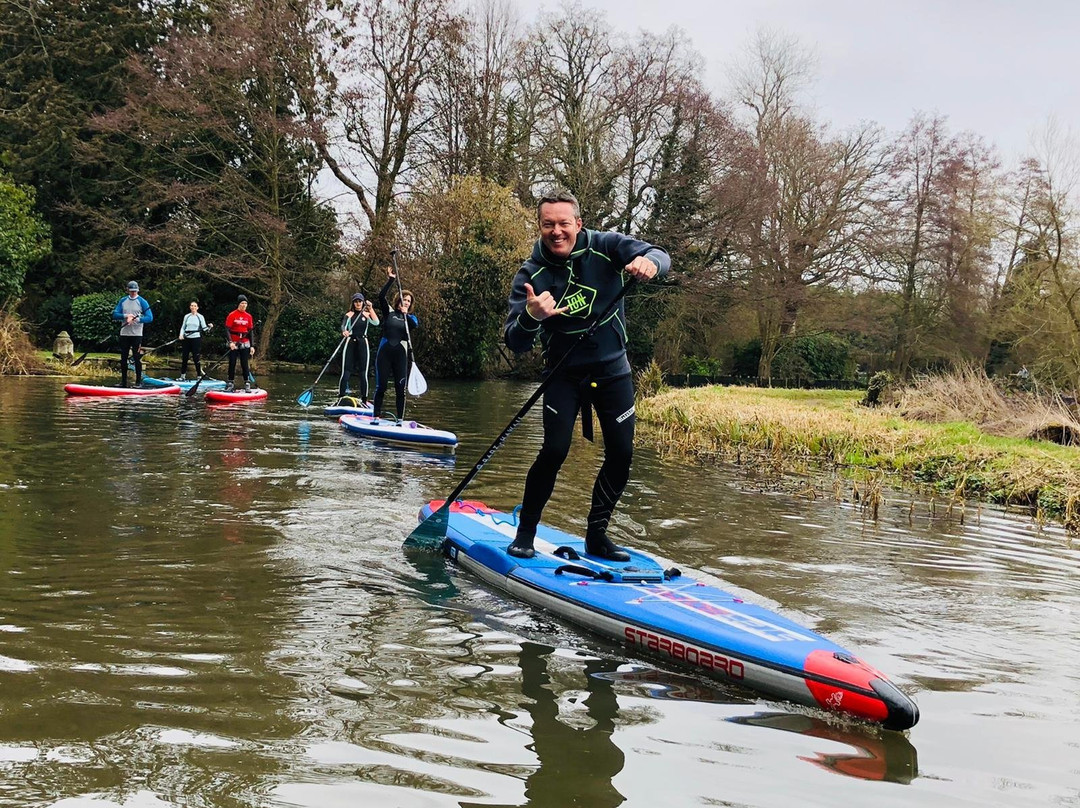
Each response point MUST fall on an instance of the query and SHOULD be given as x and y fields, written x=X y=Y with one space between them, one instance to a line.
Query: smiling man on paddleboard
x=572 y=275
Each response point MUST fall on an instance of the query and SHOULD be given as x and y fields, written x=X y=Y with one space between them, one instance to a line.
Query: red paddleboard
x=235 y=396
x=101 y=390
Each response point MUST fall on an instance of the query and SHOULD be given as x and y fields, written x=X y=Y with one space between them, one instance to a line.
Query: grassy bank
x=791 y=426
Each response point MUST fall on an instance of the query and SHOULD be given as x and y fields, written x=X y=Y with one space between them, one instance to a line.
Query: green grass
x=956 y=458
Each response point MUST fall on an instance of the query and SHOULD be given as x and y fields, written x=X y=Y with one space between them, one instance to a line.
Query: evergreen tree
x=64 y=63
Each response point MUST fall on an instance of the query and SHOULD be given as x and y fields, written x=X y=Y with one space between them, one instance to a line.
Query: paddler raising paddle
x=392 y=357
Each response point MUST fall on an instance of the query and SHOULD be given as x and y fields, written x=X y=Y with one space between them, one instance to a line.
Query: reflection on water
x=577 y=758
x=210 y=607
x=879 y=755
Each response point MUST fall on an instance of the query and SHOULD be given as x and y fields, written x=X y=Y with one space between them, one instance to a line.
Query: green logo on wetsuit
x=578 y=299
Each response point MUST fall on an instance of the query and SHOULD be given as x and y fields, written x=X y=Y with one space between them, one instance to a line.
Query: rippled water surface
x=210 y=607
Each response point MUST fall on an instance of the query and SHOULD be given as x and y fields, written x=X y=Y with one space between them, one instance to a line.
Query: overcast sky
x=995 y=67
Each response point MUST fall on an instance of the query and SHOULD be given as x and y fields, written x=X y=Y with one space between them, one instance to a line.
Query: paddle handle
x=397 y=277
x=537 y=393
x=331 y=359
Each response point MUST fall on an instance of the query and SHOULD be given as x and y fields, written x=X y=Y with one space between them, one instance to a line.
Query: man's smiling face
x=559 y=228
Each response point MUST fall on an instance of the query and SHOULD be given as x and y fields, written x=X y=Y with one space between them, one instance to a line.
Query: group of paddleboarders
x=133 y=311
x=391 y=358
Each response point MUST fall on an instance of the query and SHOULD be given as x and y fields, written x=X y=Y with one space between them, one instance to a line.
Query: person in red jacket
x=239 y=325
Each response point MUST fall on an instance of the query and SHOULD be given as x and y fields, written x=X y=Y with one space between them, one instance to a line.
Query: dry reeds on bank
x=17 y=354
x=968 y=394
x=774 y=429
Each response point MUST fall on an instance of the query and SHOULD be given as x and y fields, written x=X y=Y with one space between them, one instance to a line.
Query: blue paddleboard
x=666 y=614
x=336 y=411
x=185 y=385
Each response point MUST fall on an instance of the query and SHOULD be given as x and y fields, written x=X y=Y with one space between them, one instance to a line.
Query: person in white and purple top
x=133 y=311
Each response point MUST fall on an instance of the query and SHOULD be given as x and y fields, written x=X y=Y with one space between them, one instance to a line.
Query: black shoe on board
x=521 y=549
x=602 y=547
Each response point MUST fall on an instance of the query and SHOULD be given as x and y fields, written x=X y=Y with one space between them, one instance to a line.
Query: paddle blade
x=304 y=399
x=417 y=384
x=431 y=533
x=194 y=388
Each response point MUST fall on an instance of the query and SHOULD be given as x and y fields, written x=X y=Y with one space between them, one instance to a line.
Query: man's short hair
x=559 y=195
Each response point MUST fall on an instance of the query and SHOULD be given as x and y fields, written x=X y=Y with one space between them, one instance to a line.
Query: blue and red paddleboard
x=101 y=390
x=407 y=432
x=666 y=614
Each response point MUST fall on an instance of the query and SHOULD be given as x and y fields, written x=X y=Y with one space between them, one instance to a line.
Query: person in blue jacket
x=573 y=275
x=392 y=356
x=133 y=312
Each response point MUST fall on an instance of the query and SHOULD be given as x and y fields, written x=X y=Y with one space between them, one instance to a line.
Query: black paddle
x=191 y=390
x=159 y=347
x=304 y=399
x=416 y=384
x=83 y=355
x=431 y=533
x=206 y=330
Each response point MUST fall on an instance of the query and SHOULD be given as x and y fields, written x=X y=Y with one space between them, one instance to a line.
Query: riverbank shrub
x=470 y=238
x=24 y=238
x=650 y=380
x=704 y=366
x=966 y=393
x=307 y=338
x=91 y=320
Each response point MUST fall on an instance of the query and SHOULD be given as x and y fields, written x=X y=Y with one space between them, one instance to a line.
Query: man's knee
x=553 y=453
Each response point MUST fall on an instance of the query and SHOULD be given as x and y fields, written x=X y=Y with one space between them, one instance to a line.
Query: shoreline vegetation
x=101 y=364
x=963 y=456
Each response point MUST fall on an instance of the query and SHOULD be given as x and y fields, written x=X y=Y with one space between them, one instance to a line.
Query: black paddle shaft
x=539 y=391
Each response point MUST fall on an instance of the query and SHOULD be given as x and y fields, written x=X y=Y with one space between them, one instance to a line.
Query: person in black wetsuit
x=392 y=356
x=357 y=356
x=572 y=276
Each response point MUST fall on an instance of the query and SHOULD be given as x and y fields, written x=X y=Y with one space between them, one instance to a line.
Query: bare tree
x=484 y=118
x=816 y=190
x=907 y=246
x=1038 y=308
x=227 y=188
x=605 y=106
x=383 y=55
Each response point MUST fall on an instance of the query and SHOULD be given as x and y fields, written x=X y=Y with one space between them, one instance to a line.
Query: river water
x=210 y=607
